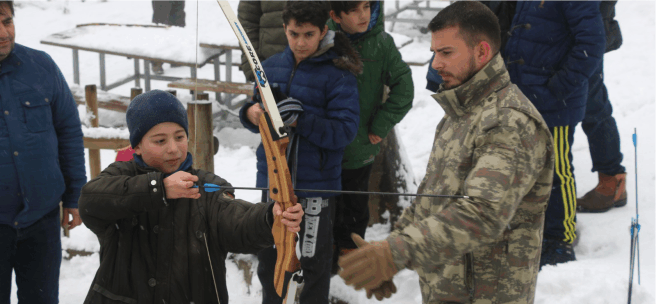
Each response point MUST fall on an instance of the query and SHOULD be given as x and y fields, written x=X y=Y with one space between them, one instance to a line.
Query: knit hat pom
x=150 y=109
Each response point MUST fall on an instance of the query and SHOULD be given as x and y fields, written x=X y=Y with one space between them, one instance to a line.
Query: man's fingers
x=358 y=240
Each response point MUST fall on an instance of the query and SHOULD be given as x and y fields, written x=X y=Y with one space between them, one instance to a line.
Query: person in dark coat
x=168 y=13
x=262 y=21
x=162 y=240
x=315 y=74
x=600 y=128
x=553 y=49
x=41 y=165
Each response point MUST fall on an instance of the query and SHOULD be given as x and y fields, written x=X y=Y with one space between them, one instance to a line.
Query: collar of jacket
x=462 y=99
x=185 y=166
x=13 y=60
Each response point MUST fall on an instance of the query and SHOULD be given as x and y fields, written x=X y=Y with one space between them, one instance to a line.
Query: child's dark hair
x=313 y=12
x=344 y=6
x=476 y=22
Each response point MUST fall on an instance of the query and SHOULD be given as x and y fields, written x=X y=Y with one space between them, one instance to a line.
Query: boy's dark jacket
x=153 y=250
x=383 y=66
x=326 y=85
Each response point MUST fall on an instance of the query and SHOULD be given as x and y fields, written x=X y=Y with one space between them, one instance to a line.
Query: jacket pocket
x=38 y=115
x=108 y=294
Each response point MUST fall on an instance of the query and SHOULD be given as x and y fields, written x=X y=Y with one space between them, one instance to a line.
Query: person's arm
x=249 y=14
x=503 y=171
x=66 y=122
x=340 y=125
x=398 y=77
x=113 y=195
x=587 y=28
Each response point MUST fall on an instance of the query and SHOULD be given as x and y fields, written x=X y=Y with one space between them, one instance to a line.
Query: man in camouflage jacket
x=493 y=148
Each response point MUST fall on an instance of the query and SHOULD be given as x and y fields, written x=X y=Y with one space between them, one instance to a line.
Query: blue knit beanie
x=150 y=109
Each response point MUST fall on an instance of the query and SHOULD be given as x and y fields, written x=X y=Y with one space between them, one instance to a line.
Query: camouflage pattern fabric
x=493 y=146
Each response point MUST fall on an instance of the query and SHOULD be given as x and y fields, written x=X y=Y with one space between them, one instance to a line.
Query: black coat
x=613 y=34
x=153 y=250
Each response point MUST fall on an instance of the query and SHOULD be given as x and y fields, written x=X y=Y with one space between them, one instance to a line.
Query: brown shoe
x=609 y=193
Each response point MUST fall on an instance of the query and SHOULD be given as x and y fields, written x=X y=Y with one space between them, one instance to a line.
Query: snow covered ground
x=599 y=276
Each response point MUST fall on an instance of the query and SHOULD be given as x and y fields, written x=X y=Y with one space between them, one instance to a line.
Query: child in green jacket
x=363 y=22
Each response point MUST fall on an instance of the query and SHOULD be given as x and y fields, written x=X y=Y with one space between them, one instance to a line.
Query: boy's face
x=454 y=60
x=164 y=147
x=356 y=20
x=303 y=38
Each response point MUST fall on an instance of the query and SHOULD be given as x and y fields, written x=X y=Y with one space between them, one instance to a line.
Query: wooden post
x=92 y=105
x=201 y=142
x=134 y=92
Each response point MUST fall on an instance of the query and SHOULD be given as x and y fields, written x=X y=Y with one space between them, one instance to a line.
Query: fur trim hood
x=347 y=58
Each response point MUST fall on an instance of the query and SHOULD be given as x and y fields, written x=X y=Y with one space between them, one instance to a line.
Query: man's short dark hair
x=343 y=6
x=313 y=12
x=476 y=22
x=11 y=6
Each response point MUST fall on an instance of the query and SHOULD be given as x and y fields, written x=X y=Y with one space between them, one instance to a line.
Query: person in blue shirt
x=41 y=164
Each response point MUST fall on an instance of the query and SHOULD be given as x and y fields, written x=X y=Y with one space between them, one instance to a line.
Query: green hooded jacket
x=383 y=66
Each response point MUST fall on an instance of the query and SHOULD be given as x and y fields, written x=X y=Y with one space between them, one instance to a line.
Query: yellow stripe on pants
x=563 y=169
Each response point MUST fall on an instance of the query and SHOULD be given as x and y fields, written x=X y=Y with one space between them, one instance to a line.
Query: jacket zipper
x=469 y=275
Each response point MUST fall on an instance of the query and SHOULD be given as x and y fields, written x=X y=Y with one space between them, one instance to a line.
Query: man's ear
x=483 y=52
x=324 y=31
x=335 y=17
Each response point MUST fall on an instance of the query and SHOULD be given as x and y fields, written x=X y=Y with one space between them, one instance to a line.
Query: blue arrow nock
x=209 y=187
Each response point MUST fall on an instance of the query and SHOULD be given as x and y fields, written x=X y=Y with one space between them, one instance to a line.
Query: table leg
x=103 y=81
x=137 y=74
x=76 y=66
x=228 y=67
x=195 y=78
x=147 y=75
x=217 y=75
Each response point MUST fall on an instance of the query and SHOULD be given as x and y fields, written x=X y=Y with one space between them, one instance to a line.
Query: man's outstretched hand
x=369 y=266
x=291 y=217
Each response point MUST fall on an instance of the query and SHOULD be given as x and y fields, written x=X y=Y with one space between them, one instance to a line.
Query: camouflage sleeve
x=503 y=171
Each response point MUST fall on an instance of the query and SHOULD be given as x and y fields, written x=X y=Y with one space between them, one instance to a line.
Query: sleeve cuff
x=400 y=251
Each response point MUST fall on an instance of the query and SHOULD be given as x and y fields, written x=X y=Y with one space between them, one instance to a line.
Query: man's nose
x=4 y=33
x=437 y=63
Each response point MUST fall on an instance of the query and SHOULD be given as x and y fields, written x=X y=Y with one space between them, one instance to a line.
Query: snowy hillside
x=599 y=276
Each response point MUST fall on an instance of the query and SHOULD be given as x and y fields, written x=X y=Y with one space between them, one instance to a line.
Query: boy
x=363 y=22
x=317 y=72
x=161 y=239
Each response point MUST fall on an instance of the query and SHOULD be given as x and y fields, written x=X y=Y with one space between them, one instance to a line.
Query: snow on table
x=170 y=44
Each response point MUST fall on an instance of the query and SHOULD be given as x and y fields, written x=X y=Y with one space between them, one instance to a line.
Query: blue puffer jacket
x=41 y=146
x=331 y=111
x=553 y=48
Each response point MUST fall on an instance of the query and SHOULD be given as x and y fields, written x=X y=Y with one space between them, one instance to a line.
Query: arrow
x=213 y=188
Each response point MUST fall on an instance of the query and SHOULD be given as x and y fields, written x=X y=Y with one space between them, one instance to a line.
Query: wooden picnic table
x=149 y=43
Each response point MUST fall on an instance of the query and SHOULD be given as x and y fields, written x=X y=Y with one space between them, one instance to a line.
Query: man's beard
x=471 y=71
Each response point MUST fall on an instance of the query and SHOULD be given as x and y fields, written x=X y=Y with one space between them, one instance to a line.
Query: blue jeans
x=35 y=254
x=601 y=129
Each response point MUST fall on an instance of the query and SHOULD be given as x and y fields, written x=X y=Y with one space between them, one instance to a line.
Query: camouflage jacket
x=494 y=147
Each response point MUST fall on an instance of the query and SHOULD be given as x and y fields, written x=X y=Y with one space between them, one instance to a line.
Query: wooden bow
x=275 y=140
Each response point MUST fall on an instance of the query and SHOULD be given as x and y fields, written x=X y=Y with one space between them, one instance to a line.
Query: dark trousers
x=169 y=12
x=601 y=129
x=560 y=218
x=35 y=254
x=316 y=258
x=352 y=209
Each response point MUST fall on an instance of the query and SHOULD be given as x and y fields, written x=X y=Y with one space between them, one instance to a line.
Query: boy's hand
x=253 y=114
x=66 y=219
x=374 y=139
x=291 y=217
x=179 y=184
